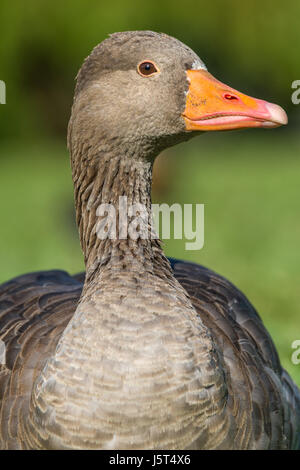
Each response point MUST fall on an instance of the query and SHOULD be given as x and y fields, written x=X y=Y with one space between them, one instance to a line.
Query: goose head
x=142 y=91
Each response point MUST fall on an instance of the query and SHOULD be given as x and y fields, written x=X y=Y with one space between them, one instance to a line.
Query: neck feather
x=135 y=359
x=105 y=193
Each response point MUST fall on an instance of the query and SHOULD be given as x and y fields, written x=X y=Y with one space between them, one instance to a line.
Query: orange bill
x=213 y=106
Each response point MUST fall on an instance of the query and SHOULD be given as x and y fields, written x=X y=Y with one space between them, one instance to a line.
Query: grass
x=248 y=182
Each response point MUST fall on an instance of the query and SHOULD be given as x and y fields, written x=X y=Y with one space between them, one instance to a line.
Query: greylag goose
x=140 y=352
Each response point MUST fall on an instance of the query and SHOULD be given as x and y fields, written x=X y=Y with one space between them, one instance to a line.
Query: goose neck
x=113 y=209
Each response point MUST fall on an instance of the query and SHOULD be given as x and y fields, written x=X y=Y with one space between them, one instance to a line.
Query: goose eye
x=147 y=68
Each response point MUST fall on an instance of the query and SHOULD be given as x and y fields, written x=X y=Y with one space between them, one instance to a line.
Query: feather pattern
x=138 y=352
x=265 y=403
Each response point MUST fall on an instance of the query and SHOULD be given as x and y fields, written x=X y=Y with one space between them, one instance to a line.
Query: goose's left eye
x=147 y=68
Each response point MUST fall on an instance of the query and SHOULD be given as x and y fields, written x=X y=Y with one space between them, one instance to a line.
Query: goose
x=140 y=351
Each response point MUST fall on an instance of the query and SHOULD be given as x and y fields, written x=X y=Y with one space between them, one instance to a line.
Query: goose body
x=140 y=352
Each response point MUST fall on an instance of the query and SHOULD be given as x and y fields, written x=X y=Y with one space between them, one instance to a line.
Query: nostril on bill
x=230 y=97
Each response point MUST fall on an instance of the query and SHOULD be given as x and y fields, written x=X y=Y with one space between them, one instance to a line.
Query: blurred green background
x=248 y=181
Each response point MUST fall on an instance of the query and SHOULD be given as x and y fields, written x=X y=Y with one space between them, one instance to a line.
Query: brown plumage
x=140 y=351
